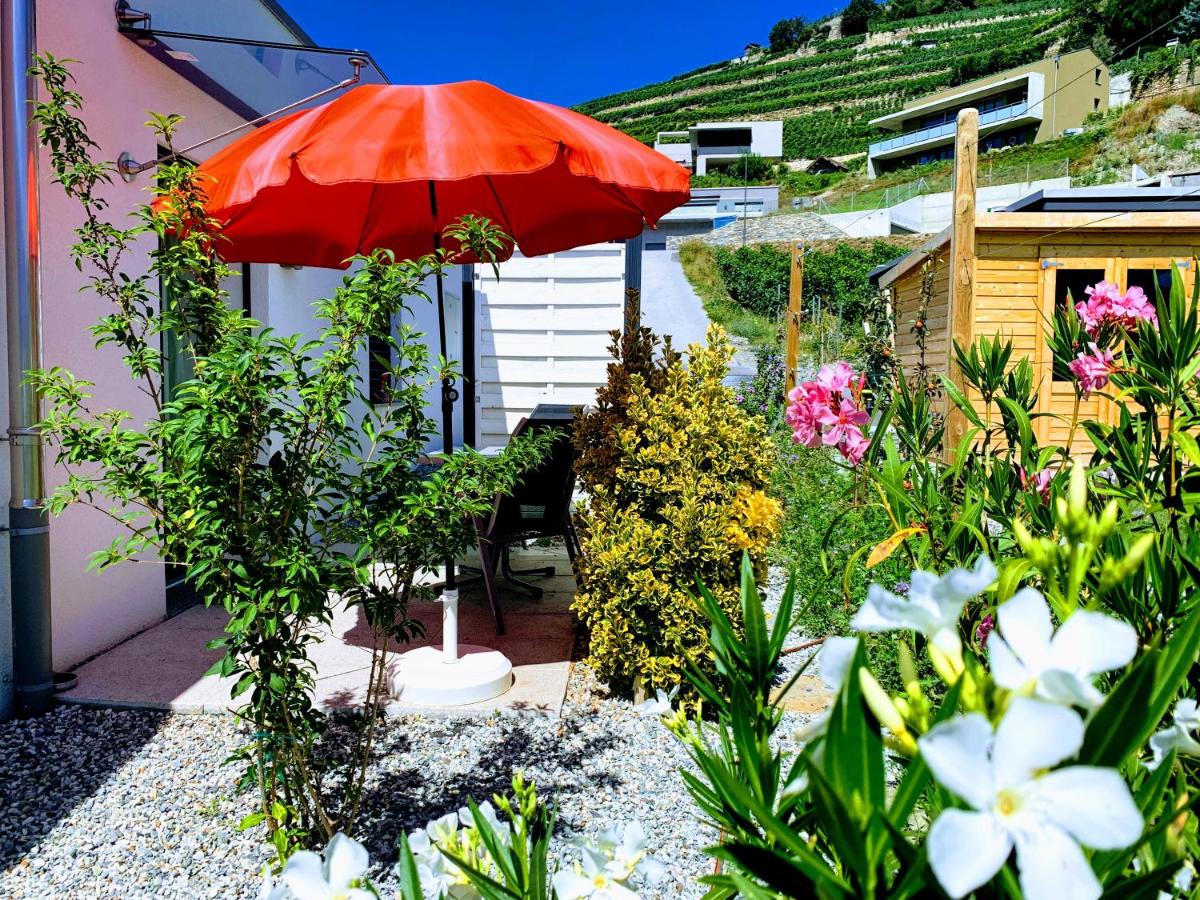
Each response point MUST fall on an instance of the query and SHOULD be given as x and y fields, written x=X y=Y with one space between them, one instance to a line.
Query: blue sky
x=564 y=52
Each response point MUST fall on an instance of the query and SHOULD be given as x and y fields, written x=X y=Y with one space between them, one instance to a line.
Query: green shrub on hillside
x=838 y=278
x=757 y=277
x=858 y=15
x=688 y=499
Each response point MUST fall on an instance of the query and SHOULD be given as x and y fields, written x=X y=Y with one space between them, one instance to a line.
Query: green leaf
x=853 y=758
x=1115 y=730
x=773 y=868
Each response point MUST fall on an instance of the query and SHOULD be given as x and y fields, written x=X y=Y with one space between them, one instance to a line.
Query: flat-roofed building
x=1030 y=104
x=707 y=143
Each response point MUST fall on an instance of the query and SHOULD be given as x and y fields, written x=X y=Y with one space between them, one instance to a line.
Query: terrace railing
x=946 y=130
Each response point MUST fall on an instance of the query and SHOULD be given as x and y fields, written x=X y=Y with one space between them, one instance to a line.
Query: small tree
x=253 y=474
x=788 y=34
x=1188 y=26
x=858 y=16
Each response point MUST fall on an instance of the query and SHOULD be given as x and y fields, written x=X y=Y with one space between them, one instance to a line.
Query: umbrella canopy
x=389 y=166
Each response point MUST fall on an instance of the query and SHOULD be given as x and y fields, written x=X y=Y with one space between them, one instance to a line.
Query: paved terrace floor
x=163 y=667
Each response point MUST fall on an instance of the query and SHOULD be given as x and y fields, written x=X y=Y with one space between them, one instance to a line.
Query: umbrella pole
x=449 y=393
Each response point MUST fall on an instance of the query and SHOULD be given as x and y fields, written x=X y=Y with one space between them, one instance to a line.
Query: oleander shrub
x=689 y=496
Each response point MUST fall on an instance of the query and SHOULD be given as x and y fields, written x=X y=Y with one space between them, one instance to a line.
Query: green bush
x=822 y=528
x=596 y=435
x=756 y=277
x=838 y=278
x=688 y=499
x=858 y=15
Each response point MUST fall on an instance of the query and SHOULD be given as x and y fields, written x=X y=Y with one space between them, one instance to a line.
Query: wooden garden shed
x=1019 y=264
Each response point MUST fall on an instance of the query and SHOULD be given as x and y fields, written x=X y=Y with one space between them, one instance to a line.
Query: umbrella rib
x=500 y=206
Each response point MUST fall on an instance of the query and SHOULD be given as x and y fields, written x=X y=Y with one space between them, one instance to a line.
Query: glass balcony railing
x=992 y=117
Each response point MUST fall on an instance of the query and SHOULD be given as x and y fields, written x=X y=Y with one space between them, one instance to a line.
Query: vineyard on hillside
x=827 y=93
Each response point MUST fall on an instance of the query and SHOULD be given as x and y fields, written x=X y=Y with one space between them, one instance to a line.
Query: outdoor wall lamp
x=130 y=168
x=130 y=18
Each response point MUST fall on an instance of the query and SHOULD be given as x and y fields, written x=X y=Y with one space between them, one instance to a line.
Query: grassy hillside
x=826 y=93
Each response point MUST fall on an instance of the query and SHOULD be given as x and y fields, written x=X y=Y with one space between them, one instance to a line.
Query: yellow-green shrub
x=688 y=497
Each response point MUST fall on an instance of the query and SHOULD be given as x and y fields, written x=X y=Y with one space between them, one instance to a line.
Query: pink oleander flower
x=853 y=446
x=840 y=422
x=1136 y=307
x=1040 y=482
x=1092 y=369
x=827 y=411
x=835 y=377
x=985 y=628
x=1106 y=306
x=806 y=430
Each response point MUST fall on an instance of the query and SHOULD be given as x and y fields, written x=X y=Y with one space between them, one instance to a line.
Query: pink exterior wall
x=120 y=82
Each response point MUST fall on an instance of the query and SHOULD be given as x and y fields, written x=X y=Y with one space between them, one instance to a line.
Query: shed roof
x=1109 y=199
x=1069 y=210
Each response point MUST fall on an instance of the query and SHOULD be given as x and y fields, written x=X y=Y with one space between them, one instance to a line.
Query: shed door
x=1064 y=280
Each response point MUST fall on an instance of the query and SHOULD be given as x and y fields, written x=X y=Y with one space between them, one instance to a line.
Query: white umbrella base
x=424 y=677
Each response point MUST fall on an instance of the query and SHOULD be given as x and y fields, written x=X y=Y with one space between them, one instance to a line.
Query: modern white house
x=708 y=143
x=1029 y=104
x=170 y=56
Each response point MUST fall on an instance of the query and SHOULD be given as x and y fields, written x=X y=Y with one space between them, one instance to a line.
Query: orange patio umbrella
x=390 y=166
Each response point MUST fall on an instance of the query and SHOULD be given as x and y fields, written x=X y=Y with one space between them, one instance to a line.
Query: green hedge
x=756 y=277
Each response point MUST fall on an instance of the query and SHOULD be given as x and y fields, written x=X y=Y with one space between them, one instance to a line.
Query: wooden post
x=792 y=320
x=961 y=314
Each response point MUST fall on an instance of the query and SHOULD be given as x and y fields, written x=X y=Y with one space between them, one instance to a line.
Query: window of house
x=1095 y=104
x=1069 y=287
x=1155 y=282
x=1098 y=73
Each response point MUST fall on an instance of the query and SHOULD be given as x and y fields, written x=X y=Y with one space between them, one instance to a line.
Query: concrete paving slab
x=164 y=666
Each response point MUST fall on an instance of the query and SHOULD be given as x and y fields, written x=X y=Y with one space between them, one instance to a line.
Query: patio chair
x=540 y=507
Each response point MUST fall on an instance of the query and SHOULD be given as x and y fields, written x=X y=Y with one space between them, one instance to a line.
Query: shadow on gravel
x=401 y=799
x=51 y=764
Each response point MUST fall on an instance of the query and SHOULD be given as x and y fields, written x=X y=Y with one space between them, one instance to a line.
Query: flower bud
x=880 y=703
x=908 y=669
x=1077 y=490
x=1108 y=520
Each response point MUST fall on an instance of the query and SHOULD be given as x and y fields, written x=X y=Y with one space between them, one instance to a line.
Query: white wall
x=543 y=332
x=930 y=213
x=286 y=304
x=119 y=82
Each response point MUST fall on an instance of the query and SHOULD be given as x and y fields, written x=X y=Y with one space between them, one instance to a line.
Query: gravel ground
x=133 y=804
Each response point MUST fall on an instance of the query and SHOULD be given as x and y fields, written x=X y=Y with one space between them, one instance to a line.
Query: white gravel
x=128 y=804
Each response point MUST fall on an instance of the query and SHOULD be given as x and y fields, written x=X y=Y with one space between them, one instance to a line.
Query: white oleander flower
x=269 y=889
x=626 y=854
x=590 y=878
x=1179 y=736
x=1026 y=653
x=660 y=705
x=1015 y=802
x=336 y=877
x=502 y=829
x=932 y=606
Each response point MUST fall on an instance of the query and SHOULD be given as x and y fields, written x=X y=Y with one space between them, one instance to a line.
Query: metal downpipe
x=29 y=528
